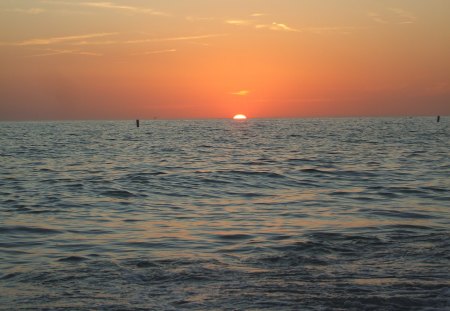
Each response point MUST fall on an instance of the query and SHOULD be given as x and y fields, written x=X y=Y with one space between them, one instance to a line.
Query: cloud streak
x=110 y=6
x=405 y=17
x=156 y=52
x=241 y=93
x=51 y=52
x=55 y=40
x=196 y=19
x=85 y=40
x=377 y=18
x=31 y=11
x=253 y=23
x=239 y=22
x=275 y=26
x=149 y=40
x=258 y=14
x=393 y=16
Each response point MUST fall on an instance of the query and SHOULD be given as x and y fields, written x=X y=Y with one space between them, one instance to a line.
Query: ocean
x=286 y=214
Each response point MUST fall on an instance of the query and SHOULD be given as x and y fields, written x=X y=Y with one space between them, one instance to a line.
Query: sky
x=171 y=59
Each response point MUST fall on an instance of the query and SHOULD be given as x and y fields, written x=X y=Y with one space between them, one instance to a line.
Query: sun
x=240 y=117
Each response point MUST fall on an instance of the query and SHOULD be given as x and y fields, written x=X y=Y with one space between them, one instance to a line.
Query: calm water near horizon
x=308 y=214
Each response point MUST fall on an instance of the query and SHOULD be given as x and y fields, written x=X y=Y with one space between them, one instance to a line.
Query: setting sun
x=240 y=117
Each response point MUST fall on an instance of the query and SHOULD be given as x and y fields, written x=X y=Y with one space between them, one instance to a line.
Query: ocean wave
x=28 y=230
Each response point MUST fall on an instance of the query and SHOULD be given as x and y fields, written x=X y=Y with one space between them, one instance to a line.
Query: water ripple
x=314 y=214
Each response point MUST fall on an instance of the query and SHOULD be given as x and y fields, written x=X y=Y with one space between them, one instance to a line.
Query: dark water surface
x=309 y=214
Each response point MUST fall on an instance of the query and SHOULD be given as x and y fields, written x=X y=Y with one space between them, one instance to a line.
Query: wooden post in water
x=137 y=122
x=438 y=119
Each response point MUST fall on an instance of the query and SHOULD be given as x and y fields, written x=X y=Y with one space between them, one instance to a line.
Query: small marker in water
x=438 y=118
x=137 y=122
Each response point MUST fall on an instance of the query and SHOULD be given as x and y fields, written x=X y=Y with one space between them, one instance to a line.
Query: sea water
x=294 y=214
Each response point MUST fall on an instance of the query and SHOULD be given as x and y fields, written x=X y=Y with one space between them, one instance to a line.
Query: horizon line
x=226 y=118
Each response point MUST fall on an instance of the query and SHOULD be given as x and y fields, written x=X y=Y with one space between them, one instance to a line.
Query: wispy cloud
x=276 y=27
x=342 y=30
x=148 y=40
x=298 y=100
x=185 y=38
x=51 y=52
x=393 y=16
x=241 y=93
x=156 y=52
x=246 y=21
x=195 y=18
x=254 y=21
x=377 y=18
x=405 y=17
x=113 y=6
x=54 y=40
x=94 y=39
x=109 y=6
x=239 y=22
x=255 y=24
x=31 y=11
x=258 y=14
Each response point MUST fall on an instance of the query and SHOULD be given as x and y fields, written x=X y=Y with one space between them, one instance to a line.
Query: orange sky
x=212 y=59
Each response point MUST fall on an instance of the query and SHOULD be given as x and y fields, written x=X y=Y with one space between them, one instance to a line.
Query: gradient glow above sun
x=202 y=59
x=240 y=117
